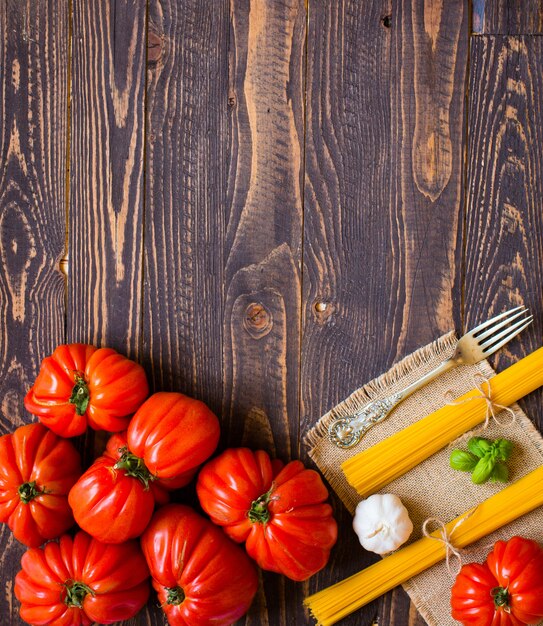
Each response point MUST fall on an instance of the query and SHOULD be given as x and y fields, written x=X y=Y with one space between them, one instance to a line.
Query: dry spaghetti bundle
x=339 y=600
x=377 y=466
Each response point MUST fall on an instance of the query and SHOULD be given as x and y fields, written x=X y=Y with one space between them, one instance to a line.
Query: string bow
x=492 y=408
x=445 y=537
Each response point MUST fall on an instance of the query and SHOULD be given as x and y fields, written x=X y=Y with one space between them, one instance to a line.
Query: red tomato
x=506 y=590
x=37 y=469
x=201 y=577
x=79 y=581
x=80 y=384
x=173 y=435
x=114 y=503
x=282 y=516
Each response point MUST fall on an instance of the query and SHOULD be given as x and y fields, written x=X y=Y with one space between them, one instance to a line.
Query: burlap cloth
x=433 y=489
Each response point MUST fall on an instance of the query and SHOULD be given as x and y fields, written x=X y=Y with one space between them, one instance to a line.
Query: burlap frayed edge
x=379 y=386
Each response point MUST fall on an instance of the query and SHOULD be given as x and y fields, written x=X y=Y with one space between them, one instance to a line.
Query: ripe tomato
x=114 y=503
x=173 y=434
x=80 y=384
x=201 y=577
x=281 y=515
x=79 y=581
x=37 y=469
x=506 y=590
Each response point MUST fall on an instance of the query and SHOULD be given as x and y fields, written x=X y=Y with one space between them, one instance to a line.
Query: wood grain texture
x=428 y=132
x=186 y=173
x=504 y=223
x=265 y=207
x=106 y=174
x=348 y=255
x=383 y=204
x=507 y=17
x=263 y=248
x=33 y=88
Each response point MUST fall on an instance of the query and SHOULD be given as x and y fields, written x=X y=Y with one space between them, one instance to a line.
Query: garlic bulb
x=382 y=523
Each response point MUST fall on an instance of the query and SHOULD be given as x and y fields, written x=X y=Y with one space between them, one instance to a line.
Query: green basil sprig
x=485 y=459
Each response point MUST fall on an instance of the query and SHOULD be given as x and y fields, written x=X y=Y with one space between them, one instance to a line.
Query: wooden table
x=267 y=203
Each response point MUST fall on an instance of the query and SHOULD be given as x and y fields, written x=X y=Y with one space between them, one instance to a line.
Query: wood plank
x=34 y=44
x=504 y=223
x=507 y=17
x=106 y=186
x=223 y=217
x=106 y=177
x=186 y=173
x=383 y=197
x=185 y=189
x=263 y=249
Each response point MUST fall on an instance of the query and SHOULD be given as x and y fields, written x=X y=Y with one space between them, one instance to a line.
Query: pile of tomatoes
x=129 y=534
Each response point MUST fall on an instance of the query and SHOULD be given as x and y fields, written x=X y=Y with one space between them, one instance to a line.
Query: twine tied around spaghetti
x=445 y=537
x=492 y=408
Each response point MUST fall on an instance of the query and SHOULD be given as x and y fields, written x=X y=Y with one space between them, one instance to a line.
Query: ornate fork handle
x=346 y=432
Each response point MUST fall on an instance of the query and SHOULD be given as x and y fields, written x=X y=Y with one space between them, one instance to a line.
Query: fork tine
x=513 y=332
x=494 y=338
x=493 y=329
x=475 y=331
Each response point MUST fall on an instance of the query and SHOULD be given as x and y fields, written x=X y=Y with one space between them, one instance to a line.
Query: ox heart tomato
x=168 y=438
x=80 y=385
x=79 y=581
x=172 y=435
x=281 y=515
x=506 y=590
x=37 y=470
x=202 y=578
x=114 y=501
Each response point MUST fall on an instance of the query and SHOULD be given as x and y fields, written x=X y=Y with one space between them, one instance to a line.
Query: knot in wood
x=154 y=46
x=323 y=310
x=258 y=320
x=64 y=265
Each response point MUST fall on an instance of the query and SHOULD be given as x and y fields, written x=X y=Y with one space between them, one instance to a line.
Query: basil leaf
x=479 y=446
x=463 y=461
x=500 y=473
x=483 y=470
x=503 y=448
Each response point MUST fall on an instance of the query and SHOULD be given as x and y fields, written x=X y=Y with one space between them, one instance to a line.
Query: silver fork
x=474 y=346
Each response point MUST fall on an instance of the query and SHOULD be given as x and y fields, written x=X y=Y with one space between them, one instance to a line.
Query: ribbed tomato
x=506 y=590
x=282 y=515
x=172 y=434
x=79 y=581
x=168 y=438
x=80 y=385
x=202 y=578
x=113 y=501
x=37 y=470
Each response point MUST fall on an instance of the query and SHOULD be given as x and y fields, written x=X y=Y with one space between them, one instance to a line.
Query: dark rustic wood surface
x=508 y=17
x=34 y=41
x=267 y=203
x=504 y=218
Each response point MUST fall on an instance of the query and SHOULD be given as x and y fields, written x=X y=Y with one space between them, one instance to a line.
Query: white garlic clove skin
x=382 y=523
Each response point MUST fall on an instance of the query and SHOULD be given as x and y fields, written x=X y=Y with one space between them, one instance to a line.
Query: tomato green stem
x=76 y=592
x=174 y=595
x=134 y=466
x=80 y=395
x=29 y=491
x=501 y=598
x=259 y=513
